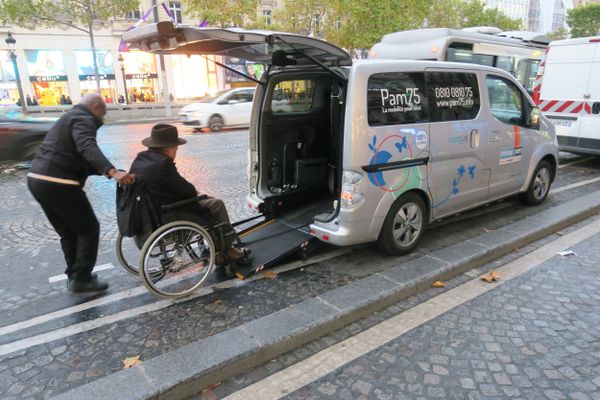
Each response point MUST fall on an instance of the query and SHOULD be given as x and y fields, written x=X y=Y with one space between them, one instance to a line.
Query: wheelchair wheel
x=176 y=259
x=126 y=251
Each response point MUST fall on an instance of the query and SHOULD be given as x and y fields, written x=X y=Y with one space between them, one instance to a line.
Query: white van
x=374 y=150
x=568 y=92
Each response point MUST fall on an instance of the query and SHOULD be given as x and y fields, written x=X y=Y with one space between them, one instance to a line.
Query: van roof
x=583 y=40
x=421 y=35
x=431 y=64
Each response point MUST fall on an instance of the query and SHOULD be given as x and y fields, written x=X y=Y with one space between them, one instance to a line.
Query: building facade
x=577 y=3
x=56 y=64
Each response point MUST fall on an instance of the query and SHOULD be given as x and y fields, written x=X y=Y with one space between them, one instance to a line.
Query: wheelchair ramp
x=270 y=242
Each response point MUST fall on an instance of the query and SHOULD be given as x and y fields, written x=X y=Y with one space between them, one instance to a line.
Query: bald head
x=95 y=103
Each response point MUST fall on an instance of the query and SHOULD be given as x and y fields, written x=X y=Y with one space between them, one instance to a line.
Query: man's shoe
x=93 y=285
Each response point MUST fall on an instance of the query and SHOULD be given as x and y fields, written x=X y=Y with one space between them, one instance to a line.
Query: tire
x=538 y=188
x=131 y=268
x=176 y=259
x=29 y=149
x=397 y=238
x=215 y=123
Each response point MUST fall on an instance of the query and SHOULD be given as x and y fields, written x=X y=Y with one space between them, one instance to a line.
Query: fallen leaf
x=131 y=362
x=491 y=276
x=210 y=387
x=270 y=274
x=217 y=302
x=560 y=233
x=302 y=269
x=487 y=230
x=438 y=284
x=517 y=250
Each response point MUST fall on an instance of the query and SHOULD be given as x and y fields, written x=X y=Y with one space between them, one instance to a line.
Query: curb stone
x=219 y=357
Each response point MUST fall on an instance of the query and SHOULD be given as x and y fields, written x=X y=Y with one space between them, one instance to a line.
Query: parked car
x=567 y=91
x=20 y=135
x=230 y=108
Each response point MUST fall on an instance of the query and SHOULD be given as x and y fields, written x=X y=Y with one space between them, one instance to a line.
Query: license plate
x=562 y=122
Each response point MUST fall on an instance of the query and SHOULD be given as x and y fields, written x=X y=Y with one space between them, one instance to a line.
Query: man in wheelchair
x=156 y=168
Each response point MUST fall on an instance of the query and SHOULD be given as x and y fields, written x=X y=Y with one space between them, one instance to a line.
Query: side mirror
x=535 y=117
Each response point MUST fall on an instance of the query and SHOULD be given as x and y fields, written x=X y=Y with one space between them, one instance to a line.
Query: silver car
x=375 y=150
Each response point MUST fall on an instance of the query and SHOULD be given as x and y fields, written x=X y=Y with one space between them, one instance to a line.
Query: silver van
x=375 y=150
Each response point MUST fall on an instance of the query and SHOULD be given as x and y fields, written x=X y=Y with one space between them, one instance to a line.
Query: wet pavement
x=82 y=338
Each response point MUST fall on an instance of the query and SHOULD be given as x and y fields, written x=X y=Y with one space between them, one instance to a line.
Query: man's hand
x=123 y=177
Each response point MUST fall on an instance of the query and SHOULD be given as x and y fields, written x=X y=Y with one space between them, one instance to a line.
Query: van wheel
x=404 y=225
x=215 y=123
x=540 y=184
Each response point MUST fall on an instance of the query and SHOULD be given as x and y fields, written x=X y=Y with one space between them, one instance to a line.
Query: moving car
x=568 y=93
x=230 y=108
x=20 y=135
x=374 y=150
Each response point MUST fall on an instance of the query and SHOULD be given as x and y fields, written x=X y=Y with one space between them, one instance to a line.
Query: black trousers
x=70 y=213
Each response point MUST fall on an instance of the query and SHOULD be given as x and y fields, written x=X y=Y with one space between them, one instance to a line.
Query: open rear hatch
x=252 y=45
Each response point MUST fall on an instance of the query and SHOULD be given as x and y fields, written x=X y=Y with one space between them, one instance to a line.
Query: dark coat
x=70 y=150
x=161 y=178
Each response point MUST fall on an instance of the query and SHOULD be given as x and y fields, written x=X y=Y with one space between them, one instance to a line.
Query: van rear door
x=566 y=78
x=589 y=129
x=253 y=45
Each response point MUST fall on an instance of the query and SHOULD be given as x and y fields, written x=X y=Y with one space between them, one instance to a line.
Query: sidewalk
x=218 y=357
x=534 y=334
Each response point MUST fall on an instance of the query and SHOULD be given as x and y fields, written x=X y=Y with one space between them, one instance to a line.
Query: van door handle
x=474 y=139
x=495 y=136
x=596 y=108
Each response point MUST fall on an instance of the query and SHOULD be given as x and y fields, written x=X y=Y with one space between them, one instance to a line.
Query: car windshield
x=211 y=98
x=13 y=115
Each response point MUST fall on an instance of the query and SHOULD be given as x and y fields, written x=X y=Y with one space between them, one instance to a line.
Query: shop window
x=452 y=96
x=395 y=98
x=267 y=16
x=175 y=8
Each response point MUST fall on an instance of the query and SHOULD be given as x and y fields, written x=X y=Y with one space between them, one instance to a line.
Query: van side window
x=395 y=98
x=506 y=100
x=292 y=96
x=452 y=95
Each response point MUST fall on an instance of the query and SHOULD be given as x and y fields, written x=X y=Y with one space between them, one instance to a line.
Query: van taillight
x=595 y=40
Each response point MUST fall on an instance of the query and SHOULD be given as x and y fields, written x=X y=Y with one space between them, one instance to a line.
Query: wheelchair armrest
x=170 y=206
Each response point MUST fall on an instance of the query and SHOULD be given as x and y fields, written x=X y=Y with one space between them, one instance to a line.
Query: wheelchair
x=177 y=250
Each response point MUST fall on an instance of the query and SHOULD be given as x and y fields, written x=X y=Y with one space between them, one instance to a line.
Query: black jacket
x=161 y=179
x=70 y=150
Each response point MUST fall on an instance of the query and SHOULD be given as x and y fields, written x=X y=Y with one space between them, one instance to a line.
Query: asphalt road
x=51 y=341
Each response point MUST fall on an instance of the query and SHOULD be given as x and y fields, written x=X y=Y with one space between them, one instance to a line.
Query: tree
x=77 y=14
x=559 y=34
x=584 y=20
x=224 y=14
x=460 y=14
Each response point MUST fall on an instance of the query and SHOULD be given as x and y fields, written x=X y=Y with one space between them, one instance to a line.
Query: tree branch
x=59 y=21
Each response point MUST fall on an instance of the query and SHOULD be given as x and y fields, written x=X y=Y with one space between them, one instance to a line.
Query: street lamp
x=10 y=41
x=122 y=63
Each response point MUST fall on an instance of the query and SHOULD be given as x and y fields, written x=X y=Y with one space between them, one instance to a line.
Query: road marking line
x=574 y=185
x=330 y=359
x=231 y=283
x=63 y=277
x=575 y=162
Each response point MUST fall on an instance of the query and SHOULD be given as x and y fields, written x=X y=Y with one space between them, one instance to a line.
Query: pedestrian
x=28 y=100
x=64 y=160
x=156 y=168
x=63 y=99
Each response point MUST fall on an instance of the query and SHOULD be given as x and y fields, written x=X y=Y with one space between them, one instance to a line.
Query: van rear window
x=395 y=98
x=292 y=96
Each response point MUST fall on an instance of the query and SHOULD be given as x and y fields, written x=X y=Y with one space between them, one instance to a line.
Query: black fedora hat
x=163 y=135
